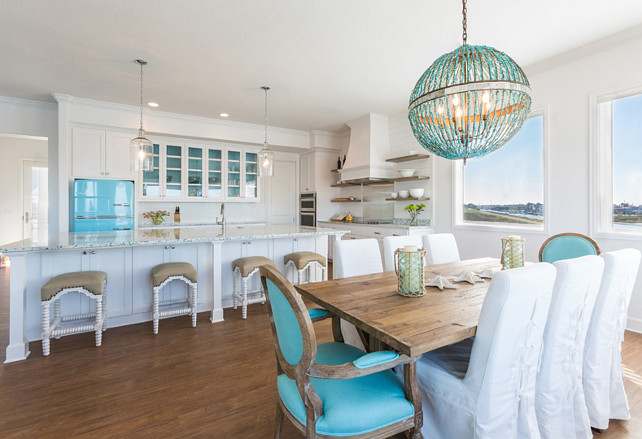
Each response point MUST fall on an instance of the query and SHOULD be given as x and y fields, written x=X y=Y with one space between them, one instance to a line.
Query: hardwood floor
x=214 y=381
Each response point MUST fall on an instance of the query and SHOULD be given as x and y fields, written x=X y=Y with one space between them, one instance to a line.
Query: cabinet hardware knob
x=377 y=233
x=173 y=247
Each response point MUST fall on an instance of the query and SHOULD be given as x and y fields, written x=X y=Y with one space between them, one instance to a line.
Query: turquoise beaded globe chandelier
x=469 y=102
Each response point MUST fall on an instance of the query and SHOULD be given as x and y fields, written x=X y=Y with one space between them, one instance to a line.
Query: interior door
x=281 y=192
x=35 y=202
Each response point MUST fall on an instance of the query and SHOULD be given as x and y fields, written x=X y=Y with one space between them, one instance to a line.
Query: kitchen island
x=128 y=258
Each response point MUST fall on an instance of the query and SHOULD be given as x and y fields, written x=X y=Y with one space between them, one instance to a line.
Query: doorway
x=281 y=190
x=35 y=202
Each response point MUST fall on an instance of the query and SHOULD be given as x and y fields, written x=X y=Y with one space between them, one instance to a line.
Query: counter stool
x=162 y=275
x=92 y=284
x=303 y=261
x=242 y=270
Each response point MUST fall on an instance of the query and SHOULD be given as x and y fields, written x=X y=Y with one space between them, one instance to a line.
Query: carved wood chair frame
x=306 y=368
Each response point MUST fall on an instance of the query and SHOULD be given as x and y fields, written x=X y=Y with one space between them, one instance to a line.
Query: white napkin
x=467 y=276
x=488 y=273
x=440 y=282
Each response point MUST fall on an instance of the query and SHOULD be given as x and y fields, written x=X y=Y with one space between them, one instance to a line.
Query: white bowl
x=406 y=172
x=403 y=194
x=393 y=195
x=417 y=193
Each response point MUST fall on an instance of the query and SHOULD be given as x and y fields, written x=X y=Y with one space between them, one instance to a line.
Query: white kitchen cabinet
x=307 y=173
x=97 y=153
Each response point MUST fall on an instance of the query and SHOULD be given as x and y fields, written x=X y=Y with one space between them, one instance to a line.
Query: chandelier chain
x=464 y=22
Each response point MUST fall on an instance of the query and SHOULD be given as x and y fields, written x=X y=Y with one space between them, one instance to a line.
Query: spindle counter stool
x=243 y=269
x=303 y=261
x=162 y=275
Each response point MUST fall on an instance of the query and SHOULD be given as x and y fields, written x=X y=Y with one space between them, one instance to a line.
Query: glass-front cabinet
x=201 y=172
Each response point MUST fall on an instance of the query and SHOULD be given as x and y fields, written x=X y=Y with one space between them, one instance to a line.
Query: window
x=620 y=160
x=506 y=187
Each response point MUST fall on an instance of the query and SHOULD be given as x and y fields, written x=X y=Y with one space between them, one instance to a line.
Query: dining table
x=408 y=325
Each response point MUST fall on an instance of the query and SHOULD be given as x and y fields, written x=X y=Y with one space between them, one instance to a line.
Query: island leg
x=18 y=348
x=217 y=285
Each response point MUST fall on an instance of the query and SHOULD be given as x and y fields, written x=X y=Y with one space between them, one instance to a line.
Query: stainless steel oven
x=308 y=209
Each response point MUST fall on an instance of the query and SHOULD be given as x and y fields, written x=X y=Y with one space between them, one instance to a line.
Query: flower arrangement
x=157 y=216
x=414 y=212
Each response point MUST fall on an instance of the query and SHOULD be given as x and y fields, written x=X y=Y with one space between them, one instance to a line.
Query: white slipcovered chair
x=603 y=386
x=559 y=398
x=392 y=243
x=441 y=248
x=485 y=387
x=355 y=257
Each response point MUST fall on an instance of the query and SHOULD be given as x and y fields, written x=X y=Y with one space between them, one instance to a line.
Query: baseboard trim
x=634 y=324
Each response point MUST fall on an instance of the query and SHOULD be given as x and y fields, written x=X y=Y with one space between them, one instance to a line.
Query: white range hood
x=368 y=150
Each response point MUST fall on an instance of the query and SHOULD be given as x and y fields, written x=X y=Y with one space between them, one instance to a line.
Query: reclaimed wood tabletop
x=411 y=325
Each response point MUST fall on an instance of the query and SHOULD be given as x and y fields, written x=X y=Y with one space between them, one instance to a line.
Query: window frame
x=458 y=192
x=601 y=165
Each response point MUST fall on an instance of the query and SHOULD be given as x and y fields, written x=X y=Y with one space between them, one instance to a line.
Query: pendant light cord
x=265 y=88
x=141 y=63
x=464 y=22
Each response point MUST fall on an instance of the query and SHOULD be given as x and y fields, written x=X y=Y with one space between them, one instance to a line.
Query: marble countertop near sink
x=166 y=235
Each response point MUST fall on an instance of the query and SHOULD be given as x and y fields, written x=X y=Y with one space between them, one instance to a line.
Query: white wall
x=13 y=151
x=563 y=87
x=40 y=119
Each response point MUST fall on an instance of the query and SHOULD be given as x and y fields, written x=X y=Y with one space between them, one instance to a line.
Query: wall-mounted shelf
x=342 y=200
x=407 y=158
x=408 y=199
x=334 y=170
x=344 y=185
x=414 y=177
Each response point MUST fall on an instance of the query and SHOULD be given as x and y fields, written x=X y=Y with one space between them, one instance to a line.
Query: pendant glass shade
x=266 y=162
x=469 y=103
x=142 y=151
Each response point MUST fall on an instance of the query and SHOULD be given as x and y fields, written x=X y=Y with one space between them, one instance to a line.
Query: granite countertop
x=387 y=226
x=166 y=236
x=171 y=225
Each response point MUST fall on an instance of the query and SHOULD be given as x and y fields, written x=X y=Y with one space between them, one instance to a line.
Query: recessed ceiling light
x=152 y=104
x=224 y=115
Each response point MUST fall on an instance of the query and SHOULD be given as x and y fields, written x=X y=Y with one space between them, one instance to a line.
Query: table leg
x=414 y=395
x=18 y=348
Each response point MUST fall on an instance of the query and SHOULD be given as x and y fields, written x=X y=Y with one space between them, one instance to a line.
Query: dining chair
x=567 y=246
x=559 y=397
x=441 y=248
x=354 y=257
x=603 y=386
x=484 y=387
x=392 y=243
x=332 y=389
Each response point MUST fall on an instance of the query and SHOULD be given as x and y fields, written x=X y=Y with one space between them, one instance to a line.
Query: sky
x=627 y=150
x=513 y=173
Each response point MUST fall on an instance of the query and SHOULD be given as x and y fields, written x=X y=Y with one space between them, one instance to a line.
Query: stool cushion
x=301 y=259
x=246 y=265
x=92 y=281
x=161 y=272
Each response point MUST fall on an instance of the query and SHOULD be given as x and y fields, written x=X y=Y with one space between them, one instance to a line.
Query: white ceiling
x=327 y=61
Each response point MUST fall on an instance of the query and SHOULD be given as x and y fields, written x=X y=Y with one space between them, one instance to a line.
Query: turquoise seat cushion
x=350 y=407
x=567 y=247
x=317 y=312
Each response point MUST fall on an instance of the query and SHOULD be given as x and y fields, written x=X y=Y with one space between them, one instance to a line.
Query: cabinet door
x=214 y=173
x=250 y=179
x=118 y=162
x=173 y=171
x=307 y=173
x=233 y=174
x=194 y=172
x=88 y=146
x=151 y=179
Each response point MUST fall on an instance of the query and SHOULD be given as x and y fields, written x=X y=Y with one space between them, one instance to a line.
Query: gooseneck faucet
x=222 y=222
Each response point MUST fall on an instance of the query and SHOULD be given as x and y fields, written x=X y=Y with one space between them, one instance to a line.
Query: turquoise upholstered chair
x=567 y=246
x=333 y=389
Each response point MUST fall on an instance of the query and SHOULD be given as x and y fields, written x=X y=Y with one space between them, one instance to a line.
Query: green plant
x=157 y=216
x=414 y=212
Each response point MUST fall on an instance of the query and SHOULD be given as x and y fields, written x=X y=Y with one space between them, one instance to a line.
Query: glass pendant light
x=265 y=156
x=469 y=102
x=142 y=149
